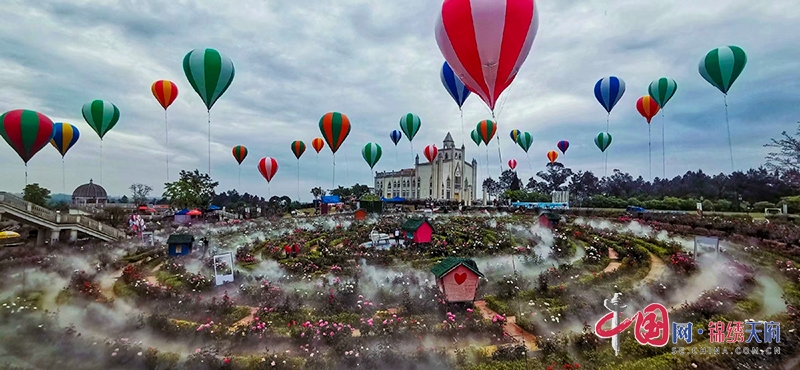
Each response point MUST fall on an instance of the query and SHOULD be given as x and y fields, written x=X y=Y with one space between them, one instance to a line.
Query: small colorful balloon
x=268 y=166
x=512 y=164
x=396 y=136
x=722 y=66
x=298 y=148
x=563 y=145
x=515 y=135
x=239 y=153
x=552 y=156
x=457 y=90
x=608 y=91
x=101 y=116
x=26 y=131
x=318 y=143
x=486 y=129
x=647 y=107
x=602 y=140
x=165 y=91
x=64 y=137
x=335 y=127
x=372 y=154
x=410 y=124
x=662 y=90
x=476 y=137
x=525 y=140
x=431 y=152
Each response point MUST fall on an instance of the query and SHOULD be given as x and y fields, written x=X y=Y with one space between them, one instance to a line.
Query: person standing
x=397 y=236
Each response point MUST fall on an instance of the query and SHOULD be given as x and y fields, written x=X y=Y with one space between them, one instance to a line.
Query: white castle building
x=449 y=177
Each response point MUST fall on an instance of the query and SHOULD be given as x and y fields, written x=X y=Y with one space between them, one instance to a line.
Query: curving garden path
x=510 y=327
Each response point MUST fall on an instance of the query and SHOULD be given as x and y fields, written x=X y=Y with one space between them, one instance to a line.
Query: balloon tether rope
x=663 y=148
x=166 y=137
x=728 y=124
x=209 y=142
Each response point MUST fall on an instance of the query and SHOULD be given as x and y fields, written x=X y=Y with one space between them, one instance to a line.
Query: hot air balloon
x=165 y=92
x=563 y=145
x=512 y=164
x=396 y=136
x=268 y=166
x=102 y=116
x=210 y=73
x=515 y=135
x=525 y=140
x=647 y=107
x=486 y=129
x=239 y=153
x=334 y=127
x=608 y=91
x=552 y=156
x=410 y=124
x=457 y=90
x=602 y=140
x=476 y=137
x=64 y=137
x=317 y=143
x=662 y=90
x=431 y=152
x=298 y=148
x=27 y=132
x=372 y=154
x=721 y=67
x=486 y=42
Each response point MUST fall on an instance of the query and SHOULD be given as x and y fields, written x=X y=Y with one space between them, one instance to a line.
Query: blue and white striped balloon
x=453 y=85
x=396 y=135
x=608 y=91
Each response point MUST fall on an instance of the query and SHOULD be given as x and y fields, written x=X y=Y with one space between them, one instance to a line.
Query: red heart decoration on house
x=460 y=278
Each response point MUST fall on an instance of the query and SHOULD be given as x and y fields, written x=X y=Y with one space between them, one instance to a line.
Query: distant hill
x=60 y=197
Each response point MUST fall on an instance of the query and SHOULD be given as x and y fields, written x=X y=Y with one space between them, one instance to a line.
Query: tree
x=193 y=190
x=359 y=190
x=317 y=192
x=124 y=199
x=341 y=191
x=555 y=177
x=786 y=157
x=140 y=193
x=492 y=187
x=509 y=181
x=36 y=194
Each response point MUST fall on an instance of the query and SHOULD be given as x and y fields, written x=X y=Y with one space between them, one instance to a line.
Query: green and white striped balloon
x=722 y=66
x=662 y=90
x=476 y=137
x=410 y=124
x=209 y=72
x=372 y=154
x=525 y=140
x=101 y=116
x=602 y=140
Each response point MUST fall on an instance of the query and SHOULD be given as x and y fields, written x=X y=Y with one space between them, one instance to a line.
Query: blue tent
x=214 y=208
x=182 y=212
x=393 y=200
x=330 y=199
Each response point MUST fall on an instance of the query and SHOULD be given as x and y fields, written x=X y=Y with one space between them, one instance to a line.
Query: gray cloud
x=375 y=62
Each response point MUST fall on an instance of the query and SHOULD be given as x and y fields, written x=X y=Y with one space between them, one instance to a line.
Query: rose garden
x=340 y=303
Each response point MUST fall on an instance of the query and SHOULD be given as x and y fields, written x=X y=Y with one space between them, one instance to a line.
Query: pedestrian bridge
x=55 y=225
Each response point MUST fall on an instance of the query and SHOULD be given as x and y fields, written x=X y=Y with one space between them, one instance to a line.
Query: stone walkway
x=510 y=328
x=657 y=268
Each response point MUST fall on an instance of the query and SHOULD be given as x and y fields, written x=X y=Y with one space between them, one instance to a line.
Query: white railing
x=46 y=214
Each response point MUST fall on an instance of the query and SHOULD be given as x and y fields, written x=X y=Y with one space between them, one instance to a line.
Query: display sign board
x=707 y=244
x=223 y=268
x=148 y=239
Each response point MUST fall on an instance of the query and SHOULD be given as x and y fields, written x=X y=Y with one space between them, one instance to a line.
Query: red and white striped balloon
x=512 y=164
x=268 y=166
x=431 y=152
x=485 y=42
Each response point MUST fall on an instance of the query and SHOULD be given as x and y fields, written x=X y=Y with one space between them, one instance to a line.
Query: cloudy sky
x=375 y=61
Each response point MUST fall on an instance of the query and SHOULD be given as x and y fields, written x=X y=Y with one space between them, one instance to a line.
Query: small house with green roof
x=457 y=279
x=418 y=230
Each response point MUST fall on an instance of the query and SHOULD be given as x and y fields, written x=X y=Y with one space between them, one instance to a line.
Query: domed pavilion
x=90 y=194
